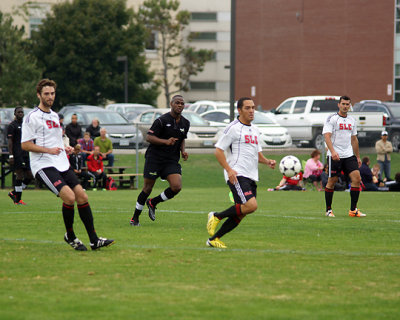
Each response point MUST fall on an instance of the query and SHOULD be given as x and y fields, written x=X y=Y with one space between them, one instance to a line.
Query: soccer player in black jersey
x=18 y=158
x=167 y=143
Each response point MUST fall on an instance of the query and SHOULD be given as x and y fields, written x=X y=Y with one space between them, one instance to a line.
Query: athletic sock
x=230 y=224
x=18 y=190
x=87 y=218
x=233 y=211
x=328 y=198
x=68 y=215
x=354 y=194
x=25 y=182
x=140 y=202
x=167 y=194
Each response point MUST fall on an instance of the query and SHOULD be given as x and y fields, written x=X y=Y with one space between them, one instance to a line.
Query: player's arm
x=184 y=154
x=356 y=150
x=329 y=144
x=220 y=155
x=31 y=147
x=269 y=162
x=158 y=141
x=281 y=184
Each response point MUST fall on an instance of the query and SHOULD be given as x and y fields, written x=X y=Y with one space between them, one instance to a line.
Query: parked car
x=124 y=108
x=202 y=106
x=200 y=134
x=304 y=117
x=6 y=116
x=120 y=131
x=272 y=134
x=391 y=111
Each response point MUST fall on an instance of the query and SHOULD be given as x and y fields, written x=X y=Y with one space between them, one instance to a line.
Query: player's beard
x=47 y=104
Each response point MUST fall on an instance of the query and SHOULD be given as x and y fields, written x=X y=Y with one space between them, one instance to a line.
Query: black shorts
x=347 y=165
x=244 y=190
x=154 y=169
x=55 y=180
x=21 y=163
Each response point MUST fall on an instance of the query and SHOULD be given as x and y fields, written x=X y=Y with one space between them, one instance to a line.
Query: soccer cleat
x=20 y=202
x=216 y=243
x=101 y=242
x=152 y=210
x=356 y=213
x=13 y=197
x=76 y=243
x=134 y=223
x=212 y=223
x=329 y=213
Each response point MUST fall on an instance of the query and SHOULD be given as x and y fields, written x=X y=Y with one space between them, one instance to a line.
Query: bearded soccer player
x=42 y=137
x=167 y=143
x=241 y=142
x=340 y=132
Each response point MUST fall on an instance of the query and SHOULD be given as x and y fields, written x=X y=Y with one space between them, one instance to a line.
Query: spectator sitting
x=340 y=185
x=94 y=128
x=76 y=162
x=106 y=147
x=376 y=176
x=65 y=138
x=292 y=183
x=313 y=169
x=395 y=186
x=95 y=166
x=366 y=175
x=87 y=146
x=73 y=130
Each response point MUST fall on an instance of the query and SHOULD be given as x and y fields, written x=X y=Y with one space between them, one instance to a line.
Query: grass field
x=286 y=261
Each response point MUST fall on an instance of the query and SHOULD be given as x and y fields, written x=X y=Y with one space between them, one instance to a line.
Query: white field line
x=270 y=251
x=259 y=213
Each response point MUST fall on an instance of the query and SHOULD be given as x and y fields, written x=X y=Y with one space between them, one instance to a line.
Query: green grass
x=285 y=261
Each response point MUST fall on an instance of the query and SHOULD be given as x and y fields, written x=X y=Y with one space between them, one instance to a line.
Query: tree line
x=78 y=43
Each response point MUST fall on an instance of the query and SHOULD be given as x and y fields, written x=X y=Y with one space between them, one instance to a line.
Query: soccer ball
x=290 y=166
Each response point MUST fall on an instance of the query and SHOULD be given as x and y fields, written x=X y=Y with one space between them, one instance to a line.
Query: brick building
x=313 y=47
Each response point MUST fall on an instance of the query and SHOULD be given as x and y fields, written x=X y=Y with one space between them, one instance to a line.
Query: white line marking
x=283 y=251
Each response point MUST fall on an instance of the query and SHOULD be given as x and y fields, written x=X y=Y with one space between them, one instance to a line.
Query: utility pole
x=233 y=57
x=125 y=60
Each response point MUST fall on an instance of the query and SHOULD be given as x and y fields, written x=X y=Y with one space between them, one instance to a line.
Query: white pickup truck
x=304 y=117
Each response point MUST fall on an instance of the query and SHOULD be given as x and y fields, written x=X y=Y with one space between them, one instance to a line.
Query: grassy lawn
x=286 y=261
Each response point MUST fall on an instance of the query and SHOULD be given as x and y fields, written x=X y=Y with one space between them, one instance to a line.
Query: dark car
x=120 y=131
x=391 y=112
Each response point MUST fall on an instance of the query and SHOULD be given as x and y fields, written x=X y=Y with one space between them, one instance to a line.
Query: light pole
x=125 y=60
x=233 y=57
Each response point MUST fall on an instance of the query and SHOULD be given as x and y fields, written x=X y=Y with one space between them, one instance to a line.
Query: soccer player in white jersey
x=241 y=142
x=340 y=132
x=42 y=137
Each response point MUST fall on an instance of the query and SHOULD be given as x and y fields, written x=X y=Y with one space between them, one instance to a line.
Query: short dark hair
x=241 y=100
x=365 y=160
x=15 y=110
x=176 y=96
x=45 y=83
x=315 y=153
x=347 y=98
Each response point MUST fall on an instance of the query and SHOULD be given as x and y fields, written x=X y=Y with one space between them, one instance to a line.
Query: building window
x=204 y=16
x=203 y=85
x=152 y=43
x=37 y=13
x=203 y=36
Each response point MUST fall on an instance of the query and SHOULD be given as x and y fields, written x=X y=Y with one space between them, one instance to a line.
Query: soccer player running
x=241 y=142
x=167 y=142
x=340 y=132
x=18 y=158
x=42 y=137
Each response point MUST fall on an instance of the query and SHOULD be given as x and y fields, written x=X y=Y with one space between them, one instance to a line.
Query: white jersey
x=43 y=128
x=241 y=143
x=342 y=128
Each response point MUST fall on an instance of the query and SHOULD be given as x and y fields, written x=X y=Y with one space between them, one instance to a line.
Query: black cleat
x=13 y=196
x=134 y=223
x=152 y=210
x=76 y=243
x=101 y=242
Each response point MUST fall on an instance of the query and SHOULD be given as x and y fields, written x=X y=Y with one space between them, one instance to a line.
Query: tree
x=18 y=69
x=78 y=44
x=180 y=61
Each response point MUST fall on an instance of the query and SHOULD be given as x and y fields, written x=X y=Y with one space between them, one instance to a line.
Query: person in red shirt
x=96 y=167
x=292 y=183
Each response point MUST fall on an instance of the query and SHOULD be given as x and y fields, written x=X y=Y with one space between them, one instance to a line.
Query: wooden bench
x=123 y=178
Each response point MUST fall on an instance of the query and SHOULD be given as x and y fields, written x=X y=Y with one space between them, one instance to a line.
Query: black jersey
x=14 y=133
x=166 y=127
